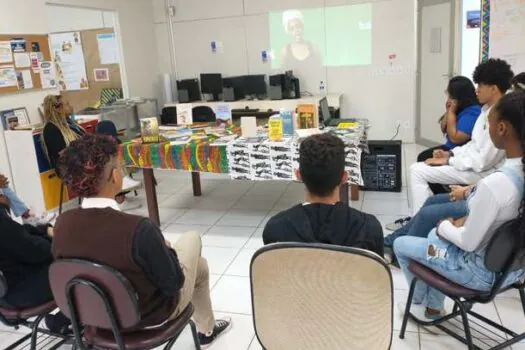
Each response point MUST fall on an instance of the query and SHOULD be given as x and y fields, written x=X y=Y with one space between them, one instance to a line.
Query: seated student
x=436 y=208
x=467 y=164
x=322 y=218
x=455 y=249
x=25 y=256
x=20 y=209
x=165 y=279
x=462 y=111
x=518 y=83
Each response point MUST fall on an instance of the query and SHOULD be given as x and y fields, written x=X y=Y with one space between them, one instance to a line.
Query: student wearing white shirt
x=455 y=249
x=467 y=164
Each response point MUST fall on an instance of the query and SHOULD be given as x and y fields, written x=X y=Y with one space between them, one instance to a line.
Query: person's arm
x=25 y=247
x=443 y=123
x=158 y=262
x=454 y=129
x=477 y=160
x=374 y=238
x=55 y=142
x=270 y=232
x=483 y=211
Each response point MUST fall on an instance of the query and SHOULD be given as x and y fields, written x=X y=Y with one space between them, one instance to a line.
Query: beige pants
x=196 y=288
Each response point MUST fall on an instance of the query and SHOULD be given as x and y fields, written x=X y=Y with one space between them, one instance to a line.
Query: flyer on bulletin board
x=8 y=76
x=47 y=75
x=107 y=48
x=6 y=54
x=68 y=57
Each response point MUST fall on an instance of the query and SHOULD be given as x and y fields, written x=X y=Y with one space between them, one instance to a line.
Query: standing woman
x=456 y=248
x=59 y=129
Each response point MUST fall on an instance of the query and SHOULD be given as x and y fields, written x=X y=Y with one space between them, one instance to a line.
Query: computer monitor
x=212 y=84
x=237 y=83
x=324 y=110
x=255 y=85
x=192 y=87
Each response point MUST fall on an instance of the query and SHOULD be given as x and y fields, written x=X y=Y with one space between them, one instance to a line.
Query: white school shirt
x=479 y=154
x=495 y=201
x=99 y=203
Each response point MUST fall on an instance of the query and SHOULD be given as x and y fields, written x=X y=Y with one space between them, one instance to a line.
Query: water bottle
x=322 y=90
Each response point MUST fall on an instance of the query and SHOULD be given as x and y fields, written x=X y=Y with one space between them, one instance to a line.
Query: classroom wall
x=67 y=19
x=135 y=18
x=377 y=92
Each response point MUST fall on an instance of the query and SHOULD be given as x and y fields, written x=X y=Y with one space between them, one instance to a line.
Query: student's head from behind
x=507 y=121
x=90 y=167
x=518 y=83
x=462 y=90
x=56 y=109
x=322 y=164
x=493 y=78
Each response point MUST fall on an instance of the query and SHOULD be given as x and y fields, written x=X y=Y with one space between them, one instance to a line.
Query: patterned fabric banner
x=485 y=30
x=194 y=156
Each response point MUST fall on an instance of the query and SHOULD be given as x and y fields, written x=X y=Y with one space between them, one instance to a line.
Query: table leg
x=151 y=196
x=196 y=180
x=354 y=192
x=343 y=193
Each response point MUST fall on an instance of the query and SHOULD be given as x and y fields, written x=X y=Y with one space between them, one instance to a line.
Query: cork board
x=82 y=99
x=43 y=43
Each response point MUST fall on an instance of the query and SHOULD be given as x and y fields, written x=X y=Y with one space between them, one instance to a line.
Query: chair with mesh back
x=319 y=296
x=16 y=317
x=103 y=308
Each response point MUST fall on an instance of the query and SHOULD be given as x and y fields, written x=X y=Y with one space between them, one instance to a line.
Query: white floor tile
x=410 y=342
x=214 y=279
x=179 y=229
x=511 y=313
x=180 y=201
x=241 y=264
x=227 y=236
x=243 y=217
x=255 y=242
x=219 y=258
x=232 y=294
x=399 y=279
x=255 y=345
x=401 y=296
x=215 y=203
x=255 y=202
x=200 y=217
x=387 y=219
x=386 y=207
x=386 y=195
x=439 y=342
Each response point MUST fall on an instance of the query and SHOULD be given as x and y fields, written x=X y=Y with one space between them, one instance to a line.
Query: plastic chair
x=203 y=114
x=319 y=296
x=103 y=301
x=15 y=317
x=502 y=256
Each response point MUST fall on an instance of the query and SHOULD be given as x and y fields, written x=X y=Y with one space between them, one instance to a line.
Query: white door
x=435 y=64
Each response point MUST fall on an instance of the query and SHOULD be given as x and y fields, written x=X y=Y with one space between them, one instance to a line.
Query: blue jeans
x=435 y=209
x=18 y=207
x=464 y=268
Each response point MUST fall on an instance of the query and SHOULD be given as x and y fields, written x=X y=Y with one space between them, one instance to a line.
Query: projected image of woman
x=299 y=53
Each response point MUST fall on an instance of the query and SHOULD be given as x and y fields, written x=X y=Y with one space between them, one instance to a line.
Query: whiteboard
x=507 y=32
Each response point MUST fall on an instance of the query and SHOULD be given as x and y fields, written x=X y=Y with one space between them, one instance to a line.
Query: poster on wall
x=8 y=76
x=68 y=57
x=107 y=48
x=47 y=75
x=101 y=74
x=473 y=19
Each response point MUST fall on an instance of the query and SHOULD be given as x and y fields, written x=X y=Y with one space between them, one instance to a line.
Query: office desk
x=334 y=100
x=201 y=156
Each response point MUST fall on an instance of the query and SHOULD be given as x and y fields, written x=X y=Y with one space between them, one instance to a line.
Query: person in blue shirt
x=463 y=110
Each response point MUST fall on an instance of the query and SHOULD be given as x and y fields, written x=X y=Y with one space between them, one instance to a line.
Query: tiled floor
x=230 y=217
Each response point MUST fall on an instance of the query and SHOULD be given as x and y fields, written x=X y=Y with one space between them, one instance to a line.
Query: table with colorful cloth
x=242 y=158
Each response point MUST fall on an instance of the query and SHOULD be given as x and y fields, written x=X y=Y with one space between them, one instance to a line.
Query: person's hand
x=439 y=153
x=168 y=244
x=50 y=231
x=4 y=181
x=452 y=106
x=457 y=193
x=459 y=222
x=436 y=161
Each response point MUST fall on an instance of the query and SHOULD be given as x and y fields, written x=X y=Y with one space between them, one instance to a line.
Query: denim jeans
x=435 y=209
x=464 y=268
x=18 y=207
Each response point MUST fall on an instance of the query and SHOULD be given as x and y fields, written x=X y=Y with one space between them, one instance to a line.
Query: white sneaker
x=128 y=184
x=39 y=220
x=419 y=312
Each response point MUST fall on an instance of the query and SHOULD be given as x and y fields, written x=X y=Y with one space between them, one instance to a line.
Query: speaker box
x=381 y=168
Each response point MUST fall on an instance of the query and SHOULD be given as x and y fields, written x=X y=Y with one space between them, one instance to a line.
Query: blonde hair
x=53 y=113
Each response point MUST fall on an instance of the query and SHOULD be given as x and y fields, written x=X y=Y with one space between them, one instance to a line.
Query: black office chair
x=203 y=114
x=168 y=116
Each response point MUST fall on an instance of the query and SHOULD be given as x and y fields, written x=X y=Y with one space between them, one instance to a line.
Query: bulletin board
x=31 y=41
x=81 y=99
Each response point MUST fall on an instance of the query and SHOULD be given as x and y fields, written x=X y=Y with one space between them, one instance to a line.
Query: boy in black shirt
x=322 y=218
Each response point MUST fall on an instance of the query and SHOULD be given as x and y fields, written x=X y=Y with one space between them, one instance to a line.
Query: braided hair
x=511 y=108
x=82 y=164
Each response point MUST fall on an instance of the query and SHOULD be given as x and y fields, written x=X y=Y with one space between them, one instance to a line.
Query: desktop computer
x=188 y=90
x=277 y=84
x=211 y=84
x=255 y=86
x=233 y=89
